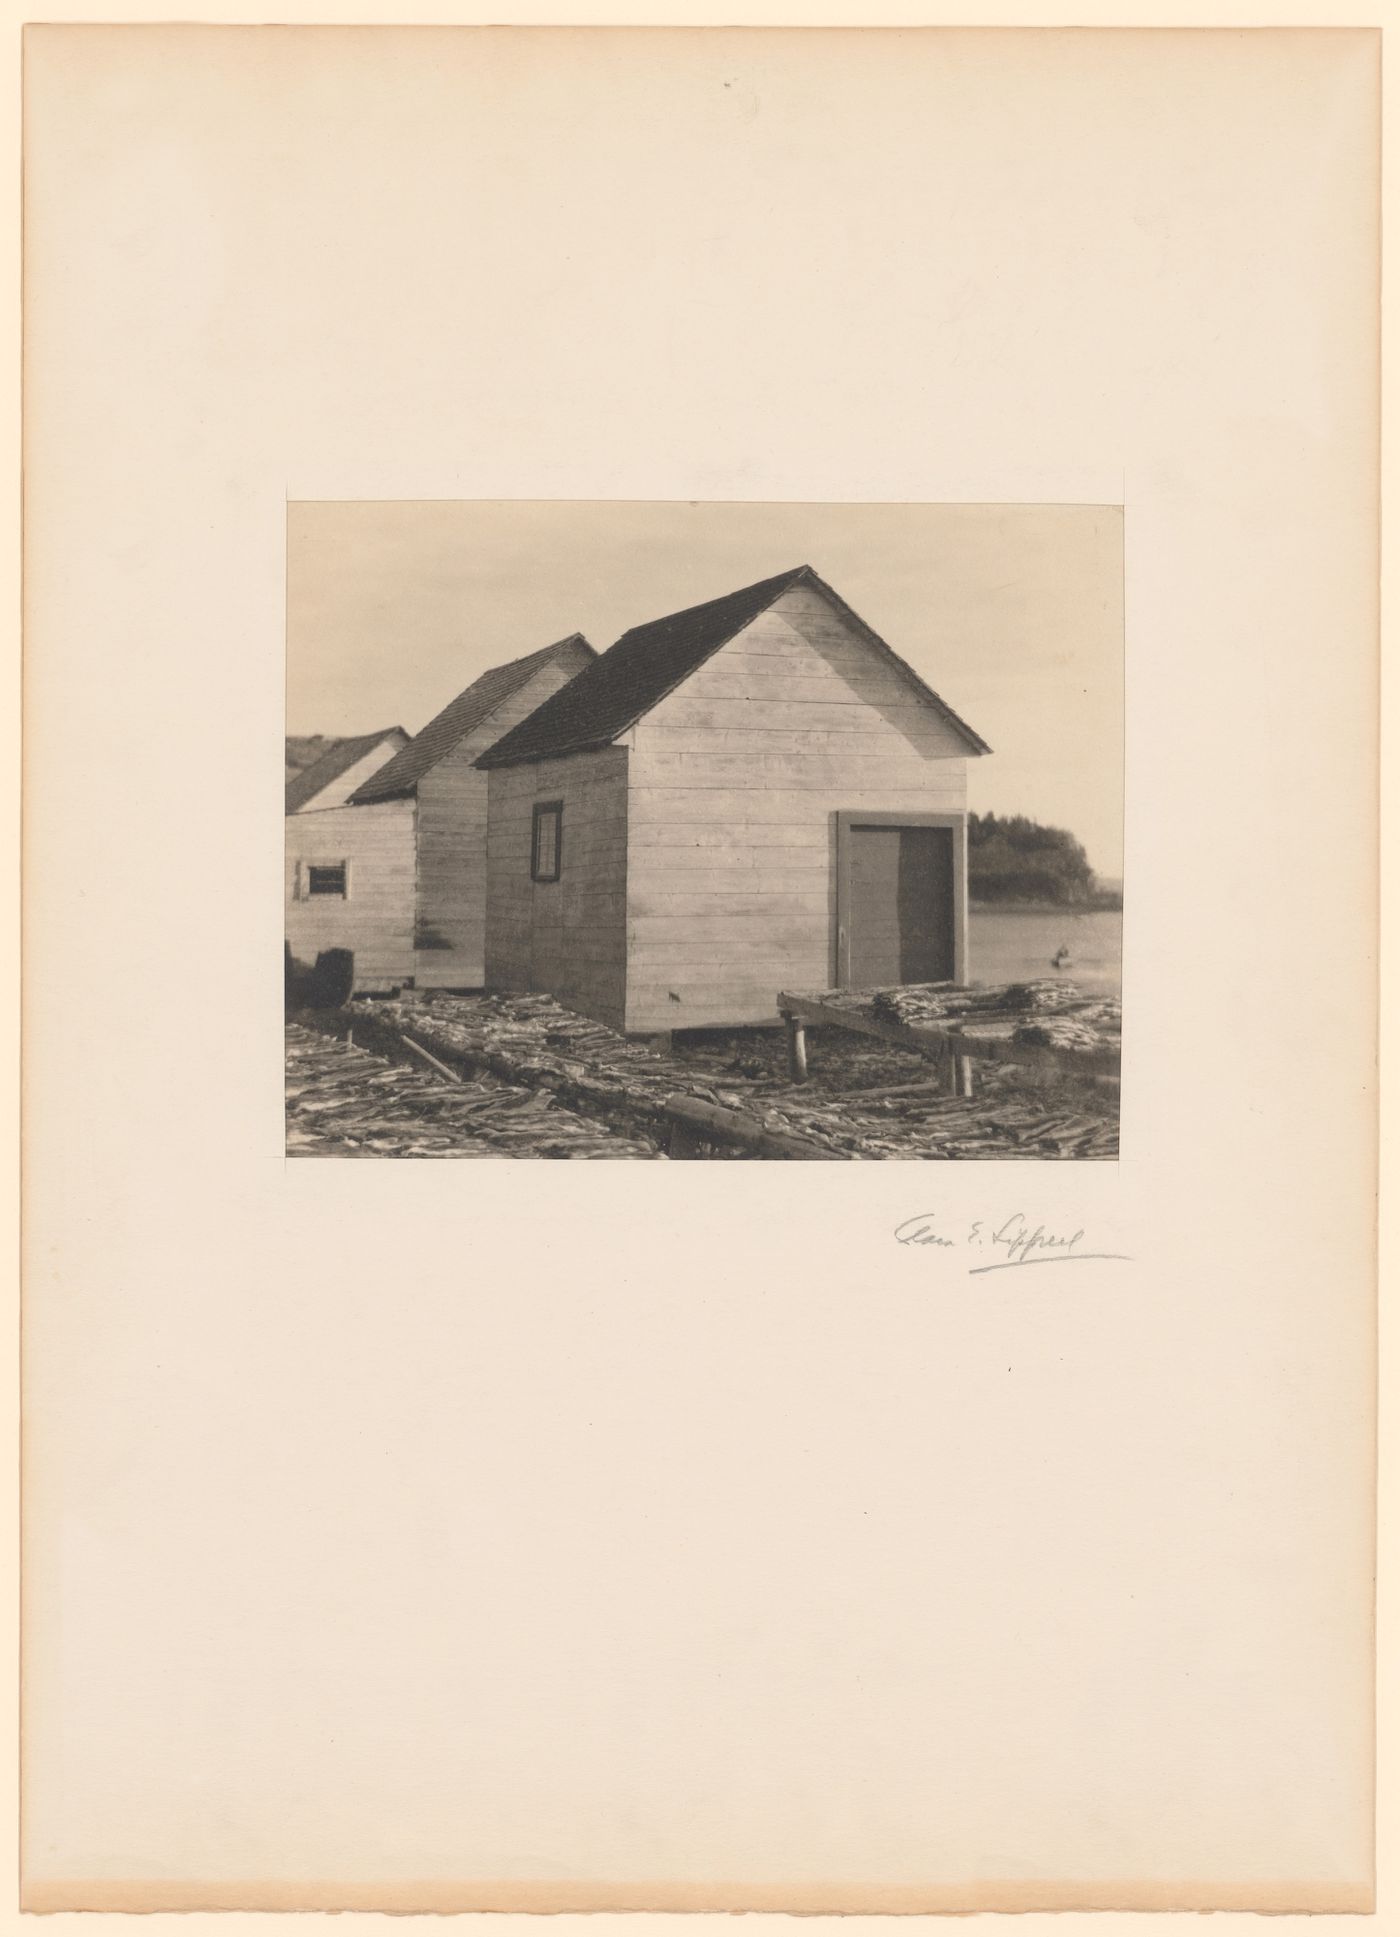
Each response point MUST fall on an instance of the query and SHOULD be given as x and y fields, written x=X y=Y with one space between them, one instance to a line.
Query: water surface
x=1018 y=945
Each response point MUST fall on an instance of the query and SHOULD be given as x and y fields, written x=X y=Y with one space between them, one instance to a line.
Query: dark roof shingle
x=338 y=759
x=460 y=717
x=651 y=660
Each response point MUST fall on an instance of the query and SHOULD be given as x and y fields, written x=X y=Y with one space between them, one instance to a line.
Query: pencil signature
x=1017 y=1240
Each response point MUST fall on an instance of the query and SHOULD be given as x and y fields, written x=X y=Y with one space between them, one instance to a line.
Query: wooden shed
x=330 y=779
x=395 y=870
x=752 y=795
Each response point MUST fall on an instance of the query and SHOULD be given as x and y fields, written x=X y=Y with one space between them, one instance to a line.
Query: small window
x=326 y=878
x=547 y=840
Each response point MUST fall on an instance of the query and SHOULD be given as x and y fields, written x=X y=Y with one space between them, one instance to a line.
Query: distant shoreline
x=1109 y=906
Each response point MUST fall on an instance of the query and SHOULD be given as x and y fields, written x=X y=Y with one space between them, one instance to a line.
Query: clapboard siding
x=699 y=851
x=728 y=868
x=450 y=929
x=566 y=937
x=777 y=709
x=719 y=902
x=699 y=837
x=866 y=766
x=376 y=921
x=736 y=779
x=450 y=932
x=745 y=678
x=759 y=807
x=753 y=741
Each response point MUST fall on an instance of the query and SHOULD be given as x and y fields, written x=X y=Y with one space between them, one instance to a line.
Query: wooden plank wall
x=451 y=920
x=566 y=937
x=377 y=920
x=736 y=780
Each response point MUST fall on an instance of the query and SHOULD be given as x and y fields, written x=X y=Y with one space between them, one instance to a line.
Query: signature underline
x=1065 y=1257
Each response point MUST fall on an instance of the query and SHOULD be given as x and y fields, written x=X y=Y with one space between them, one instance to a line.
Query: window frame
x=310 y=893
x=542 y=810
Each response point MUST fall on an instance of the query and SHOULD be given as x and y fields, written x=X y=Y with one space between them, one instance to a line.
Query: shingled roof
x=339 y=757
x=456 y=720
x=305 y=749
x=652 y=660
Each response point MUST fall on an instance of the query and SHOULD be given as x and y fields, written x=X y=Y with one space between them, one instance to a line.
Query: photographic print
x=813 y=582
x=715 y=831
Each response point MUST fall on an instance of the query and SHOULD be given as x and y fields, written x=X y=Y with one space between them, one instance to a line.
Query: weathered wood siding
x=376 y=921
x=735 y=782
x=336 y=792
x=566 y=937
x=450 y=937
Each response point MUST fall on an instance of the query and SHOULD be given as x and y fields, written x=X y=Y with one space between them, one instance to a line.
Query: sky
x=1013 y=613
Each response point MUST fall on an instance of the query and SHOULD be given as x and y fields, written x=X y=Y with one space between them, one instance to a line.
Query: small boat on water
x=1061 y=959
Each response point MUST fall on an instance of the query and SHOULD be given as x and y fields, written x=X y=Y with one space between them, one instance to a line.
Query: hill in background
x=305 y=749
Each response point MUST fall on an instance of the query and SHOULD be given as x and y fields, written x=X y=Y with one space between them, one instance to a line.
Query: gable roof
x=652 y=660
x=340 y=756
x=460 y=717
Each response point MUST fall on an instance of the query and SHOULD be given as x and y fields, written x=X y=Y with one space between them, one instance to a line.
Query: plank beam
x=427 y=1057
x=712 y=1123
x=940 y=1043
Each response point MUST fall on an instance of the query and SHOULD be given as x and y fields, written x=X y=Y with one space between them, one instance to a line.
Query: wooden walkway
x=966 y=1026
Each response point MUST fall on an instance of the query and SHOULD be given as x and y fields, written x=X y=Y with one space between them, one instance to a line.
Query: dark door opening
x=900 y=924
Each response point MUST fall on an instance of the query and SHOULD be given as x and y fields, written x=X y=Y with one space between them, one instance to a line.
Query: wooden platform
x=981 y=1025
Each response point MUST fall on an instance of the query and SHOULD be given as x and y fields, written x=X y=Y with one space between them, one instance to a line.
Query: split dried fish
x=593 y=1093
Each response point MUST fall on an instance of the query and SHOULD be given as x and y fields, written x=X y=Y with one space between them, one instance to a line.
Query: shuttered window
x=547 y=840
x=326 y=878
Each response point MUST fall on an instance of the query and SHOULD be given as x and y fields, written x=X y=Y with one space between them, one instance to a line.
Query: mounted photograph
x=706 y=831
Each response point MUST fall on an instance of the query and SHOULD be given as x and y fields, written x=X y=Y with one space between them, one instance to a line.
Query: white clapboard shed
x=394 y=868
x=753 y=795
x=330 y=779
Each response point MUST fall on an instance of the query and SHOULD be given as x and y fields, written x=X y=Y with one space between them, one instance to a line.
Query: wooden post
x=964 y=1076
x=797 y=1048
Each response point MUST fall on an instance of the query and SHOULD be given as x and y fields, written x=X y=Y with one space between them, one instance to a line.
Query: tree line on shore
x=1011 y=858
